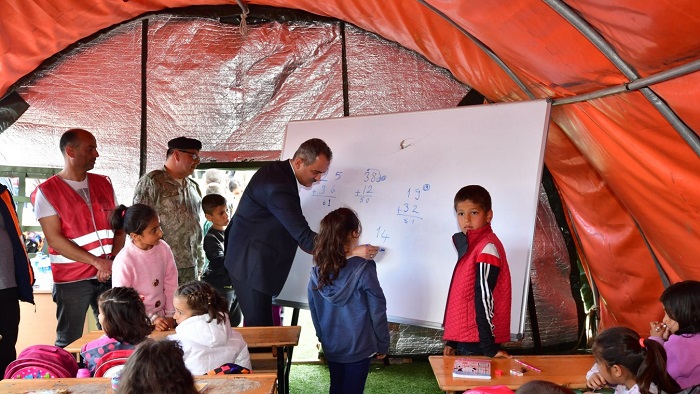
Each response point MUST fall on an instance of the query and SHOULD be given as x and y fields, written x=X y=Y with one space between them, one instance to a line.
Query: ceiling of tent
x=623 y=143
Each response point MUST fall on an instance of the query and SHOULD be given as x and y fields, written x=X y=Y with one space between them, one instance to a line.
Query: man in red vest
x=73 y=209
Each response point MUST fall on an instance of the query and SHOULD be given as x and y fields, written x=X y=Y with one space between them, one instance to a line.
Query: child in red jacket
x=477 y=315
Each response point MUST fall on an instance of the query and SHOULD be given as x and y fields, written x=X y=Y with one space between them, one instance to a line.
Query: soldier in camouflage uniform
x=178 y=201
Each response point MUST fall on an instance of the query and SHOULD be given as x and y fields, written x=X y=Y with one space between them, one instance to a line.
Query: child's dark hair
x=330 y=251
x=211 y=202
x=644 y=358
x=682 y=303
x=124 y=315
x=542 y=387
x=156 y=367
x=476 y=194
x=133 y=219
x=202 y=299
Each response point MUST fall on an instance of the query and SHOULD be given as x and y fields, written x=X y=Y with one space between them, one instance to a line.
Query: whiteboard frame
x=531 y=117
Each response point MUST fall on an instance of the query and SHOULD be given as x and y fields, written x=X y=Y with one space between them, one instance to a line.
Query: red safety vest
x=86 y=225
x=460 y=313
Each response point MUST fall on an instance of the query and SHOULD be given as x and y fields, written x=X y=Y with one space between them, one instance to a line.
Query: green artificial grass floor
x=415 y=377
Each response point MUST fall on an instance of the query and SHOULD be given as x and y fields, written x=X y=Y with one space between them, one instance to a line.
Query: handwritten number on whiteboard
x=374 y=175
x=416 y=192
x=381 y=233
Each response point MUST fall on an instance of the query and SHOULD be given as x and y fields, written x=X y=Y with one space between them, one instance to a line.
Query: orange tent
x=623 y=145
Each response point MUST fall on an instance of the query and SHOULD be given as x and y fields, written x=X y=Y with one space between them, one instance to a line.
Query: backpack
x=112 y=362
x=42 y=361
x=229 y=369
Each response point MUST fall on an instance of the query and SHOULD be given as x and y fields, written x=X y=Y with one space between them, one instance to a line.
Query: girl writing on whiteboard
x=477 y=316
x=347 y=304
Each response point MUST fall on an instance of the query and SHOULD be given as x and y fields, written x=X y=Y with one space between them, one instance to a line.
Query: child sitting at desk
x=477 y=316
x=124 y=321
x=204 y=331
x=156 y=367
x=542 y=387
x=679 y=333
x=631 y=363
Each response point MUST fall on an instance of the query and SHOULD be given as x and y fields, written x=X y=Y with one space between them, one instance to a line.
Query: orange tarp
x=626 y=177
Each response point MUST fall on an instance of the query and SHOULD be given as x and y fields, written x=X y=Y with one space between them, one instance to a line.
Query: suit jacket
x=263 y=235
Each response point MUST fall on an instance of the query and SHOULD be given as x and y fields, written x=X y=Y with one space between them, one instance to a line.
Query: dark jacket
x=350 y=314
x=215 y=274
x=24 y=275
x=263 y=235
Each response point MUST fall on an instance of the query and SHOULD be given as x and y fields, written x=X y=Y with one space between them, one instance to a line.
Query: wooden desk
x=283 y=337
x=219 y=384
x=569 y=371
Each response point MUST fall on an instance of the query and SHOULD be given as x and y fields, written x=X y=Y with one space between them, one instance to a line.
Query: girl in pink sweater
x=146 y=263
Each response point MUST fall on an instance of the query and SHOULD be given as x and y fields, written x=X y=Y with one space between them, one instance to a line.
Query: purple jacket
x=683 y=353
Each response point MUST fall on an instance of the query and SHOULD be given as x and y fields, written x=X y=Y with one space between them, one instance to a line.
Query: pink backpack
x=42 y=361
x=112 y=362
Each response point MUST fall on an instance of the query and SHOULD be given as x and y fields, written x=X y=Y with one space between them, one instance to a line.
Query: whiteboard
x=400 y=173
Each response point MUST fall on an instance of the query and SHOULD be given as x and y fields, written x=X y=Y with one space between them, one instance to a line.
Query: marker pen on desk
x=527 y=365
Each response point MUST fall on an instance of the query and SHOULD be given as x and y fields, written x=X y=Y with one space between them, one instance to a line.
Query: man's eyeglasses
x=195 y=156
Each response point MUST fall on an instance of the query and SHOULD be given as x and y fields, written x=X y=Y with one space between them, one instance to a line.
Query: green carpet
x=415 y=377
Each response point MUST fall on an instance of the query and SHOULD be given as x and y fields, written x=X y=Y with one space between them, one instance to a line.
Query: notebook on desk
x=472 y=369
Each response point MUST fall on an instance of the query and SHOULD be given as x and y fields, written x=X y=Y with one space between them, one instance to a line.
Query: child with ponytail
x=204 y=331
x=124 y=321
x=146 y=263
x=632 y=364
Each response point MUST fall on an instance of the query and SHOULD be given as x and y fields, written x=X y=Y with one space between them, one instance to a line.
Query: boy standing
x=477 y=315
x=215 y=210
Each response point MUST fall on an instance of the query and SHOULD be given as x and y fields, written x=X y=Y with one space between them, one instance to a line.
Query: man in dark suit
x=262 y=237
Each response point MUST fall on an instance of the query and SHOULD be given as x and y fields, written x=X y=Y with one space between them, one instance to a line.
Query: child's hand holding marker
x=367 y=251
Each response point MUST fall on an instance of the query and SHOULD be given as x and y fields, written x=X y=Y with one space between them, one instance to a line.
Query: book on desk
x=471 y=369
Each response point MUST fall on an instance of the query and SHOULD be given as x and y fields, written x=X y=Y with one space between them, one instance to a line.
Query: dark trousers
x=256 y=306
x=348 y=378
x=9 y=326
x=72 y=302
x=235 y=315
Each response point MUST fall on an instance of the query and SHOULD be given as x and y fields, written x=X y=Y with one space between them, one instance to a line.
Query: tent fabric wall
x=624 y=173
x=237 y=93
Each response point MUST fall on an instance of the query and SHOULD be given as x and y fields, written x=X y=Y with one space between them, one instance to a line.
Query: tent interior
x=621 y=154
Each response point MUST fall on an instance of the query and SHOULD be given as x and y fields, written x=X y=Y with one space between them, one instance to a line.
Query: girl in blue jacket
x=347 y=303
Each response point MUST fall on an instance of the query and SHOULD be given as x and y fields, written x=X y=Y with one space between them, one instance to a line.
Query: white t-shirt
x=42 y=207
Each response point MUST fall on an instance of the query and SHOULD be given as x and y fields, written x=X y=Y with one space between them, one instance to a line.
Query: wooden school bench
x=218 y=384
x=281 y=339
x=565 y=370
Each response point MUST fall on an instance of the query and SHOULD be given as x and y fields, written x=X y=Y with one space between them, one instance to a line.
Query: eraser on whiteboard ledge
x=515 y=372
